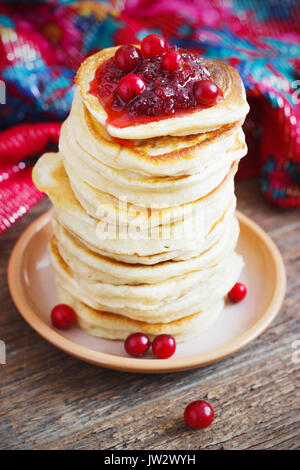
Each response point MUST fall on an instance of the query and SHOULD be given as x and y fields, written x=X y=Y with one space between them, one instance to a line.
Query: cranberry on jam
x=206 y=92
x=153 y=45
x=170 y=85
x=172 y=61
x=130 y=86
x=127 y=57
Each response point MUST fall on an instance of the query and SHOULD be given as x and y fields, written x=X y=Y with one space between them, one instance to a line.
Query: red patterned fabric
x=42 y=43
x=17 y=192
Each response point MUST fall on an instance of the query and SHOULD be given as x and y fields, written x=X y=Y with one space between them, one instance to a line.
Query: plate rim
x=141 y=365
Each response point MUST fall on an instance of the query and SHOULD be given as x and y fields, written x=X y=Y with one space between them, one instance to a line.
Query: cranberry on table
x=172 y=61
x=206 y=92
x=199 y=414
x=238 y=292
x=164 y=346
x=153 y=45
x=137 y=344
x=62 y=316
x=127 y=57
x=130 y=86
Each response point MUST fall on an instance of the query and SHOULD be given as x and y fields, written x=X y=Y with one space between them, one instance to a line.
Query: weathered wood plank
x=255 y=407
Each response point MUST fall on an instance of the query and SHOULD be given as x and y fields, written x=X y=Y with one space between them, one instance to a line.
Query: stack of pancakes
x=144 y=224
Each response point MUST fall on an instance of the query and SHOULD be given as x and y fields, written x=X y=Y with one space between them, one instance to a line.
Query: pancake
x=158 y=192
x=233 y=108
x=117 y=327
x=178 y=240
x=164 y=302
x=95 y=267
x=159 y=156
x=100 y=204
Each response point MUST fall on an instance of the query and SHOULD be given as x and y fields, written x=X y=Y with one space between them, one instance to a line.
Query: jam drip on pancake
x=154 y=92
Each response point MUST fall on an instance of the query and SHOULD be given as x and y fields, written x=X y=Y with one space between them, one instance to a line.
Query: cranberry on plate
x=62 y=316
x=238 y=292
x=153 y=45
x=164 y=346
x=137 y=344
x=199 y=414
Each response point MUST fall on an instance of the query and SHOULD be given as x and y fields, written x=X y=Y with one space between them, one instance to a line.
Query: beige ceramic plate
x=32 y=287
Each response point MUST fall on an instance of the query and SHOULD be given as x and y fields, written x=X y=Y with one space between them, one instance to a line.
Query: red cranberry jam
x=168 y=90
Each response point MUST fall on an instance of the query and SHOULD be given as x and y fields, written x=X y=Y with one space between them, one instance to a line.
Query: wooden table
x=50 y=400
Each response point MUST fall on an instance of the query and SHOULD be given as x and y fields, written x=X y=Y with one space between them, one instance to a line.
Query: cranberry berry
x=62 y=316
x=127 y=57
x=238 y=292
x=206 y=92
x=130 y=86
x=199 y=414
x=137 y=344
x=153 y=45
x=164 y=346
x=172 y=61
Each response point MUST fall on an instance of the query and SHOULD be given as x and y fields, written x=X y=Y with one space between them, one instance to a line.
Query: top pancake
x=159 y=156
x=233 y=108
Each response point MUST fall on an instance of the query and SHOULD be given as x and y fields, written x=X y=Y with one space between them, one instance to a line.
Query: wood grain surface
x=50 y=400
